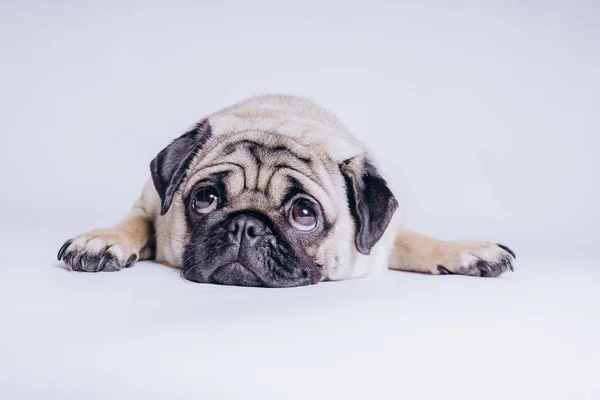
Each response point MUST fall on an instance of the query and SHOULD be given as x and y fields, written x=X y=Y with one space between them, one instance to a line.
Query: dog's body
x=273 y=191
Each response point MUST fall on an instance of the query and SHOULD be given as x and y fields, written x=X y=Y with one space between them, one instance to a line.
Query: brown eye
x=206 y=199
x=303 y=215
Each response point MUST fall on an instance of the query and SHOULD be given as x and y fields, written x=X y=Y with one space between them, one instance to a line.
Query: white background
x=482 y=112
x=484 y=115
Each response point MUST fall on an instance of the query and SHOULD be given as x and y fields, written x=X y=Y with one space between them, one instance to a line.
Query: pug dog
x=273 y=191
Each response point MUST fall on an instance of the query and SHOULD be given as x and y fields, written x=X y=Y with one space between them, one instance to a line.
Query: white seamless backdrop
x=484 y=114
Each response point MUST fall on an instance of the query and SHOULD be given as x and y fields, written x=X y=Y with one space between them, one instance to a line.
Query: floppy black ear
x=371 y=202
x=170 y=165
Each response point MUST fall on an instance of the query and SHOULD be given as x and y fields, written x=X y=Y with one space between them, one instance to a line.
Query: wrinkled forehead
x=274 y=166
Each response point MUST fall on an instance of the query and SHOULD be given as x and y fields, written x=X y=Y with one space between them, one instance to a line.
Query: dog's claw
x=68 y=259
x=131 y=260
x=62 y=250
x=509 y=265
x=507 y=249
x=103 y=262
x=442 y=270
x=485 y=269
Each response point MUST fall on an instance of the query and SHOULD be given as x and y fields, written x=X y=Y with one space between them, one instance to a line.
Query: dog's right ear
x=170 y=166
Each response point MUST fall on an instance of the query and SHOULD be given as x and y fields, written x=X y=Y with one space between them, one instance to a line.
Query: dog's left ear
x=171 y=164
x=371 y=202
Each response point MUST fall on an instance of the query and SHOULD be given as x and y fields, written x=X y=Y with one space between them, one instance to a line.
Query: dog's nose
x=247 y=229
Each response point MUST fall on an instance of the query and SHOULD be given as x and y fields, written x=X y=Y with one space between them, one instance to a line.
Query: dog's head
x=264 y=197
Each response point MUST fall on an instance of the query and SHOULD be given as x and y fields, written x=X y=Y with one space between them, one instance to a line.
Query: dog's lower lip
x=235 y=273
x=231 y=264
x=234 y=264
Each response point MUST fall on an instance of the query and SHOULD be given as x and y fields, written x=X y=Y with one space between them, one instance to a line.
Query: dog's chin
x=235 y=274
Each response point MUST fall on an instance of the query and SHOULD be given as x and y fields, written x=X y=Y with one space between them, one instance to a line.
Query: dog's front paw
x=475 y=259
x=102 y=250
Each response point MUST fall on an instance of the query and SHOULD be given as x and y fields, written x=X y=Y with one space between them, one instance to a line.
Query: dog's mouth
x=236 y=274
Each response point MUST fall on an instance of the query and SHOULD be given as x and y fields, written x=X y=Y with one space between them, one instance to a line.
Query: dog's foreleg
x=419 y=253
x=112 y=249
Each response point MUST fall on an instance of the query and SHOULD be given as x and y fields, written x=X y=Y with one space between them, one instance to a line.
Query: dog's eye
x=303 y=215
x=206 y=199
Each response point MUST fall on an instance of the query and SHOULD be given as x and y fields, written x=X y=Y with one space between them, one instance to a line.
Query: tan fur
x=313 y=133
x=419 y=253
x=132 y=237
